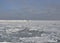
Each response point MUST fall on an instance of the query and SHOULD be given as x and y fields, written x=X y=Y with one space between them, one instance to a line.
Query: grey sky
x=30 y=9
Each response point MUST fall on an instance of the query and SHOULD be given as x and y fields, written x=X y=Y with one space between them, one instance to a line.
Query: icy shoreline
x=25 y=31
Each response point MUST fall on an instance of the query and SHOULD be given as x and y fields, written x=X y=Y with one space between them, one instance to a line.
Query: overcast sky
x=30 y=9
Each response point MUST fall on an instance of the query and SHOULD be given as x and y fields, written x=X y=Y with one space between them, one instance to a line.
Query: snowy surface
x=26 y=31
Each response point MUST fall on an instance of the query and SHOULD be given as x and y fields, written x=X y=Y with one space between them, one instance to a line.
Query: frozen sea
x=29 y=31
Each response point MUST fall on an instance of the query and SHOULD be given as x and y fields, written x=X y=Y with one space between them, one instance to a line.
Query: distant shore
x=29 y=20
